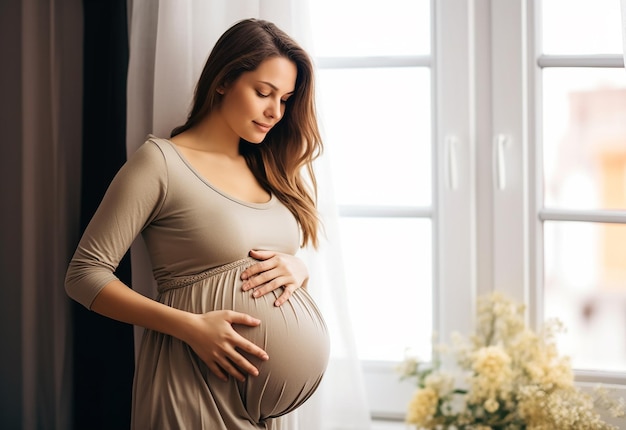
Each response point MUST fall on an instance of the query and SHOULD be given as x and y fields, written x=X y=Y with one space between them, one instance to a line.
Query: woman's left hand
x=273 y=271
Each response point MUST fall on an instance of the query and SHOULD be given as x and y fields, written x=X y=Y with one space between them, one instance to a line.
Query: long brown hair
x=294 y=142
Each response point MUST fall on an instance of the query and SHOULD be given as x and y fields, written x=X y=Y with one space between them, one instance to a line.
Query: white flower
x=491 y=362
x=491 y=405
x=515 y=379
x=409 y=367
x=422 y=407
x=441 y=383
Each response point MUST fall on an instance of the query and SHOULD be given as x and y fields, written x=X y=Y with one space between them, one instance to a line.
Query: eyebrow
x=275 y=88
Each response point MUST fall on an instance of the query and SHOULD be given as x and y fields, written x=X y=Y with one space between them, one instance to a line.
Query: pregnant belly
x=294 y=336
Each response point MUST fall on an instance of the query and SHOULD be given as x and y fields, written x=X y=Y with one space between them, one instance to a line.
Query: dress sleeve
x=133 y=200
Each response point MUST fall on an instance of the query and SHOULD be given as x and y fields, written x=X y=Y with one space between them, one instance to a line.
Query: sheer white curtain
x=169 y=43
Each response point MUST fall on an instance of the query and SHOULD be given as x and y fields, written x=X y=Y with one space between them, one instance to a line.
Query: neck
x=213 y=135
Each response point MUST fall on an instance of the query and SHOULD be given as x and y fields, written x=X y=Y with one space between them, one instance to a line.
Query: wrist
x=185 y=326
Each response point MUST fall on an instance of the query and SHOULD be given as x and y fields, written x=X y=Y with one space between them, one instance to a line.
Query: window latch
x=501 y=141
x=452 y=174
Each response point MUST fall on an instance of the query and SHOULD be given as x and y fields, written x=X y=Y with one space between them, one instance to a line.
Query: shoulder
x=147 y=162
x=154 y=152
x=152 y=147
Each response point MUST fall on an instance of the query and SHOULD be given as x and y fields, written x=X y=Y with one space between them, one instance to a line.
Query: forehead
x=280 y=72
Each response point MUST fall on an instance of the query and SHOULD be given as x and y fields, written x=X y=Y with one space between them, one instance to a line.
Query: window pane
x=389 y=277
x=581 y=27
x=377 y=126
x=584 y=138
x=348 y=28
x=585 y=288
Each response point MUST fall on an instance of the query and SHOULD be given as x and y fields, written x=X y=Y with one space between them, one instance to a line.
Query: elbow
x=84 y=282
x=72 y=284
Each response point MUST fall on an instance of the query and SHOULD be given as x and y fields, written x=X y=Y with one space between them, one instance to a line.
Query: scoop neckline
x=254 y=205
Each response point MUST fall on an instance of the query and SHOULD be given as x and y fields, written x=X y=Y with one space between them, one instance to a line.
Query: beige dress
x=198 y=239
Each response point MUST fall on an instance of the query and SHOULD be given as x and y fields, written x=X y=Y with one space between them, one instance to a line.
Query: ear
x=223 y=87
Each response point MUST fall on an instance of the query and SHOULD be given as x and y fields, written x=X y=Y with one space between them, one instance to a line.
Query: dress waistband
x=183 y=281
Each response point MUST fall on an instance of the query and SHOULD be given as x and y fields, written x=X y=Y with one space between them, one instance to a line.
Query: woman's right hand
x=217 y=343
x=211 y=335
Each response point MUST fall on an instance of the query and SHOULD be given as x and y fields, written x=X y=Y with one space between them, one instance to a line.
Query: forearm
x=121 y=303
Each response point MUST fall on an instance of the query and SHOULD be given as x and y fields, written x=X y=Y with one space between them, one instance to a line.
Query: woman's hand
x=275 y=270
x=215 y=341
x=211 y=335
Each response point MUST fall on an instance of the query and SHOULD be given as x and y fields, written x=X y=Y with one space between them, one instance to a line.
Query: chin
x=255 y=141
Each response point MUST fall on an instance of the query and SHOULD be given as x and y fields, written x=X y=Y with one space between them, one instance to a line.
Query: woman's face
x=255 y=102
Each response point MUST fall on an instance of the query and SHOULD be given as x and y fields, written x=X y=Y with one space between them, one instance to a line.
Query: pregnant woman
x=233 y=339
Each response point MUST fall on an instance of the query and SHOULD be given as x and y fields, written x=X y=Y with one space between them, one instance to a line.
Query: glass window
x=377 y=127
x=585 y=288
x=581 y=27
x=389 y=277
x=584 y=137
x=376 y=122
x=584 y=175
x=354 y=28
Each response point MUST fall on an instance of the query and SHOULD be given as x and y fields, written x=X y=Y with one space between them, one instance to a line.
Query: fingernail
x=276 y=303
x=265 y=357
x=244 y=276
x=255 y=294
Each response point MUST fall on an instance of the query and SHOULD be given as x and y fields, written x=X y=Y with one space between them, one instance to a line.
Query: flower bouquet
x=508 y=378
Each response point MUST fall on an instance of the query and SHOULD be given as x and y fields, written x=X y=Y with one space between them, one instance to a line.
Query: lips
x=263 y=127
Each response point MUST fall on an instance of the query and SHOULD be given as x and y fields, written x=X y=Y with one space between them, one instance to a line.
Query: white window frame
x=541 y=214
x=452 y=211
x=386 y=399
x=518 y=212
x=487 y=206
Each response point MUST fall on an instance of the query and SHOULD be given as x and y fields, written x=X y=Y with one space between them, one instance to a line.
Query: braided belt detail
x=183 y=281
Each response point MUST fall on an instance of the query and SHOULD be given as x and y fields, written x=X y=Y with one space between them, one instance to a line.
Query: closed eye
x=263 y=95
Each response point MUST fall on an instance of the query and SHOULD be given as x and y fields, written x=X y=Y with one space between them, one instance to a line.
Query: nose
x=274 y=109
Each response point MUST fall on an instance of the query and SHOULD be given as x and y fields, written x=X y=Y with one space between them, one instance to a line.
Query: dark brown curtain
x=11 y=388
x=62 y=120
x=103 y=348
x=40 y=122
